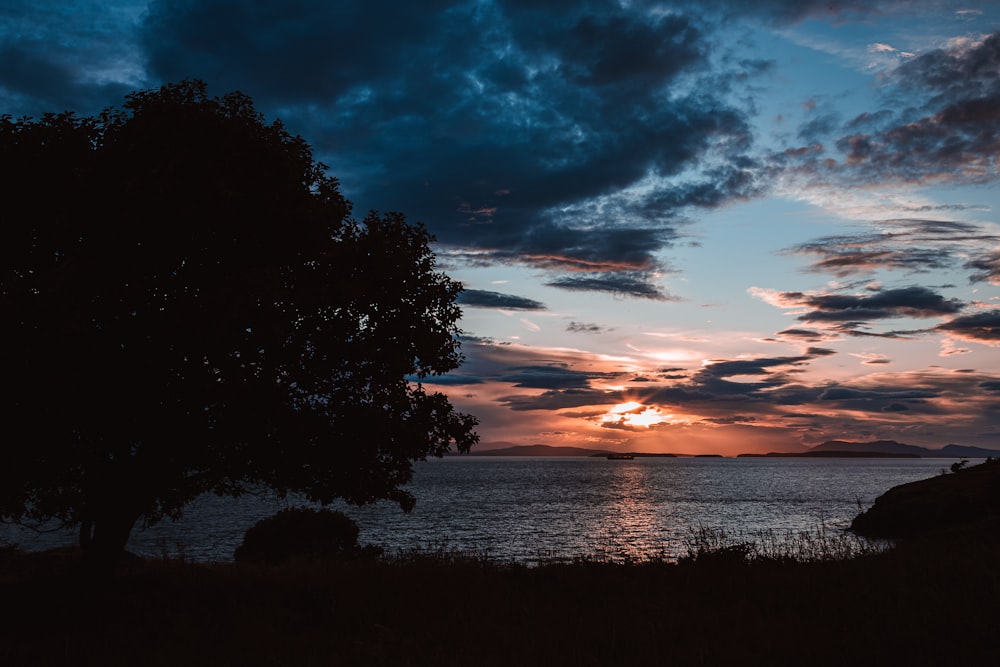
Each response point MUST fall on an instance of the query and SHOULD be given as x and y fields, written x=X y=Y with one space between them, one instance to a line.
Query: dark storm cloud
x=50 y=80
x=476 y=298
x=49 y=53
x=510 y=128
x=291 y=51
x=913 y=301
x=983 y=327
x=784 y=12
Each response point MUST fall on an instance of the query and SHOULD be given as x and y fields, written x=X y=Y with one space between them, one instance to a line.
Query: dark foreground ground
x=934 y=600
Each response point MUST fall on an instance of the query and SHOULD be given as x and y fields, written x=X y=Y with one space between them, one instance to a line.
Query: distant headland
x=829 y=449
x=888 y=448
x=552 y=450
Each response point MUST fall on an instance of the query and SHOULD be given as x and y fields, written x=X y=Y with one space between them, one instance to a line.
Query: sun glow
x=635 y=414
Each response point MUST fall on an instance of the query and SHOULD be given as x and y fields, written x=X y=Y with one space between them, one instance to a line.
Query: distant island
x=829 y=449
x=643 y=455
x=536 y=450
x=830 y=454
x=551 y=450
x=886 y=449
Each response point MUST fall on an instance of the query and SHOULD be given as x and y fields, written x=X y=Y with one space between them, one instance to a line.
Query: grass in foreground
x=936 y=604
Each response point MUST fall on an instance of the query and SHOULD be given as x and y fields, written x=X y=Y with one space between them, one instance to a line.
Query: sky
x=690 y=227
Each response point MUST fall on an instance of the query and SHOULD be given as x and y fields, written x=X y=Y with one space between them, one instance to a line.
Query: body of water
x=530 y=509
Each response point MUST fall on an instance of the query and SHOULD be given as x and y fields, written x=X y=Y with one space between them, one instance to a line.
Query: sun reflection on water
x=629 y=523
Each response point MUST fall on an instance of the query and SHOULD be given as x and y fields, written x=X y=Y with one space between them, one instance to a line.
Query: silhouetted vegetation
x=936 y=605
x=821 y=598
x=820 y=545
x=190 y=307
x=299 y=532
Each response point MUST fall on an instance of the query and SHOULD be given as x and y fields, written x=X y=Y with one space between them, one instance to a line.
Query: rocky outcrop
x=957 y=500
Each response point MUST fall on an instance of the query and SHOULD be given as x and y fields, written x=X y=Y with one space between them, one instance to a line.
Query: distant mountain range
x=893 y=447
x=549 y=450
x=507 y=449
x=831 y=448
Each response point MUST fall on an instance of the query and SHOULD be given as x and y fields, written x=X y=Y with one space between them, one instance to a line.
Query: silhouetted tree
x=188 y=306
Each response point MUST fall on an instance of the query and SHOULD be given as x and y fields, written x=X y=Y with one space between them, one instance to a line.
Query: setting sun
x=633 y=413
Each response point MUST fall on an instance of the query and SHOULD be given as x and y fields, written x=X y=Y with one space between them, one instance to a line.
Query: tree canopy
x=189 y=306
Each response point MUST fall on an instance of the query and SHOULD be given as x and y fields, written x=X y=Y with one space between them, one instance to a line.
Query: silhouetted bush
x=299 y=532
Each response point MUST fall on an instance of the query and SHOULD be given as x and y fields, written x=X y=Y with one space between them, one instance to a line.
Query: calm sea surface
x=527 y=509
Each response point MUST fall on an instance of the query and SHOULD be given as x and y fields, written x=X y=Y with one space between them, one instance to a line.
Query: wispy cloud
x=584 y=327
x=912 y=245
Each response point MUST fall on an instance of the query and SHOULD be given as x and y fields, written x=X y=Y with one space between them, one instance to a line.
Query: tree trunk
x=103 y=541
x=86 y=534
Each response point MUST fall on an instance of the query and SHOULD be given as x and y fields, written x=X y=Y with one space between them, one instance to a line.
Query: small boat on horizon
x=620 y=457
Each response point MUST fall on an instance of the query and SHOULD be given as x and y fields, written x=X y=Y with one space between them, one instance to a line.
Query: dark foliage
x=934 y=606
x=189 y=307
x=299 y=532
